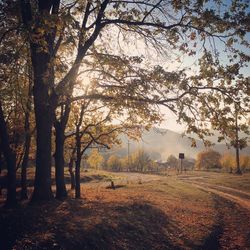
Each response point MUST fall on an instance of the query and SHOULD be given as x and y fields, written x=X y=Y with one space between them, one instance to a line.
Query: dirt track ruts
x=240 y=197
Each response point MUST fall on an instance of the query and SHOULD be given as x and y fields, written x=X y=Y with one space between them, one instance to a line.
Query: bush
x=228 y=162
x=245 y=162
x=208 y=159
x=114 y=163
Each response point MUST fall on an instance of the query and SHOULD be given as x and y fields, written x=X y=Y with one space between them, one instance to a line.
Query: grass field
x=188 y=211
x=240 y=182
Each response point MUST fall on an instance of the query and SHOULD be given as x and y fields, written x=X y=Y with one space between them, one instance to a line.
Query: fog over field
x=160 y=143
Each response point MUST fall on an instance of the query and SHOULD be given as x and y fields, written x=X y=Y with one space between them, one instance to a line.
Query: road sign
x=181 y=155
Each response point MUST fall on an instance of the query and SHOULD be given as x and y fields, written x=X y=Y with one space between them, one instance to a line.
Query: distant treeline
x=211 y=160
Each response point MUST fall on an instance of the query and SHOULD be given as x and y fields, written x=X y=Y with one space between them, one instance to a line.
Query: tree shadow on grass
x=212 y=241
x=30 y=182
x=74 y=224
x=126 y=226
x=83 y=179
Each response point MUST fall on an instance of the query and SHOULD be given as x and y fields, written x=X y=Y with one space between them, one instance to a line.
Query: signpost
x=181 y=157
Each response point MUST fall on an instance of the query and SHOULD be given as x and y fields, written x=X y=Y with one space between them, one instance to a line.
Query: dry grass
x=240 y=182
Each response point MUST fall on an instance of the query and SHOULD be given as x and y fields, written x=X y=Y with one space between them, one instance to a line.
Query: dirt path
x=243 y=202
x=231 y=229
x=238 y=196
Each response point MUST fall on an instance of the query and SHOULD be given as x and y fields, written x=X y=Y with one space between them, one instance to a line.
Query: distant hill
x=160 y=143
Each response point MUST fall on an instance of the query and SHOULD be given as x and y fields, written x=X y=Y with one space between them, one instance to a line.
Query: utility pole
x=237 y=146
x=128 y=169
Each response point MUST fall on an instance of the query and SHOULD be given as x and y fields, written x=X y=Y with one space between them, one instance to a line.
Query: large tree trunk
x=45 y=99
x=10 y=158
x=44 y=114
x=42 y=187
x=61 y=191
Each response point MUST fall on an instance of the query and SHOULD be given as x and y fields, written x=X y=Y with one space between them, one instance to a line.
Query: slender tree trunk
x=24 y=194
x=71 y=172
x=25 y=161
x=60 y=126
x=79 y=154
x=78 y=178
x=238 y=170
x=10 y=158
x=78 y=164
x=237 y=150
x=61 y=191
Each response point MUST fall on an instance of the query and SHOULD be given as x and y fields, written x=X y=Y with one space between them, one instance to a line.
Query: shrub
x=227 y=161
x=208 y=159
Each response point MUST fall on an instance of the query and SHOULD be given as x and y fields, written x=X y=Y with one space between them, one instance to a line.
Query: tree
x=91 y=131
x=227 y=113
x=15 y=98
x=141 y=161
x=232 y=121
x=95 y=159
x=228 y=162
x=124 y=163
x=114 y=163
x=208 y=159
x=172 y=161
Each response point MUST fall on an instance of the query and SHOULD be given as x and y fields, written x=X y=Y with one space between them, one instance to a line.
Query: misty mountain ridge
x=160 y=143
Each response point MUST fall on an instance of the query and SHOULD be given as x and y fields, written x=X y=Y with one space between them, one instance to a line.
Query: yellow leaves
x=95 y=159
x=228 y=161
x=245 y=162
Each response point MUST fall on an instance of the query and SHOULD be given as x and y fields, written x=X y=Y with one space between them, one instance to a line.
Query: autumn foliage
x=208 y=159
